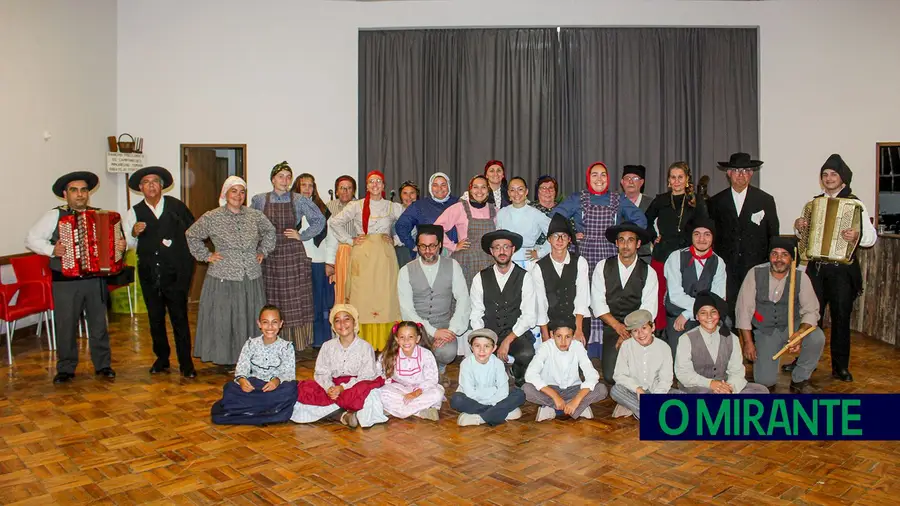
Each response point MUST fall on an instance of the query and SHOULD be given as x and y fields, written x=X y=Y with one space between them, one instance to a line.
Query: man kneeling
x=708 y=359
x=552 y=381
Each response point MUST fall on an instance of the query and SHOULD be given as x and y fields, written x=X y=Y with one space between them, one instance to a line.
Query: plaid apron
x=594 y=247
x=474 y=259
x=287 y=271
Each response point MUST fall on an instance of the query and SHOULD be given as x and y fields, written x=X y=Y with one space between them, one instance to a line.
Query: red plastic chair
x=32 y=299
x=36 y=268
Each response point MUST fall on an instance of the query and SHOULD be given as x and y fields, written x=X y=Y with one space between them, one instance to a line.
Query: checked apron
x=474 y=259
x=594 y=247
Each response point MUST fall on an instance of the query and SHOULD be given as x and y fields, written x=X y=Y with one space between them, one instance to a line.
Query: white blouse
x=382 y=216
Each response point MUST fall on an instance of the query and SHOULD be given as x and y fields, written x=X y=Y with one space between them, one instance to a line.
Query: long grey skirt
x=227 y=318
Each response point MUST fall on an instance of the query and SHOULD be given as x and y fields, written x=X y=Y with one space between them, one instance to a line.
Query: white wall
x=57 y=74
x=288 y=70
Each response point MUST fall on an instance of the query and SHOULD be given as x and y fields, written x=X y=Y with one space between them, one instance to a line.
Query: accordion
x=90 y=240
x=827 y=218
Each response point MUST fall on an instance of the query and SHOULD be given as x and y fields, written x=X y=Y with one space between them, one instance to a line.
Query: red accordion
x=90 y=240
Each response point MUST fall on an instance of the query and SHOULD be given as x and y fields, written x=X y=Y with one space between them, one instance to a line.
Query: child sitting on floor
x=552 y=380
x=346 y=383
x=411 y=375
x=265 y=384
x=644 y=366
x=484 y=395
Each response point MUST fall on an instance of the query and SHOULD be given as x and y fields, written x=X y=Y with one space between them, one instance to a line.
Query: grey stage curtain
x=450 y=100
x=548 y=102
x=653 y=96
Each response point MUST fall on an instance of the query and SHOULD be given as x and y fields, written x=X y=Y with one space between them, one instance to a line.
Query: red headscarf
x=588 y=178
x=494 y=162
x=366 y=212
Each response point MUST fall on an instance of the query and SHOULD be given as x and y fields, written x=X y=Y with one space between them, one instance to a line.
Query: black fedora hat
x=134 y=180
x=740 y=161
x=558 y=223
x=612 y=233
x=489 y=238
x=81 y=175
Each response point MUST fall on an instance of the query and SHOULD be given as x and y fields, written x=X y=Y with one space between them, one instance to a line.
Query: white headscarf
x=231 y=181
x=431 y=180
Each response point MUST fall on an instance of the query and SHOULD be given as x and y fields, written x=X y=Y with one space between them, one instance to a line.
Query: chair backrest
x=31 y=268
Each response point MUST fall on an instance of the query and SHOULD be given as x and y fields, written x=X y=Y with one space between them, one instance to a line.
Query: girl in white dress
x=411 y=374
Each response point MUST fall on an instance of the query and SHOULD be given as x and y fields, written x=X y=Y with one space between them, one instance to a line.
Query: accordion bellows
x=90 y=240
x=827 y=218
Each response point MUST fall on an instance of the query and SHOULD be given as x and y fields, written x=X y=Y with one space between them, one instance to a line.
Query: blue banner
x=770 y=417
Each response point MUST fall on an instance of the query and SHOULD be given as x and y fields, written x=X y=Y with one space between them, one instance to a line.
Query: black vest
x=622 y=301
x=689 y=282
x=560 y=288
x=160 y=265
x=502 y=309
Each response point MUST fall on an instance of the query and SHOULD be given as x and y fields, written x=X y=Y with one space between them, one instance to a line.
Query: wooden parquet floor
x=148 y=440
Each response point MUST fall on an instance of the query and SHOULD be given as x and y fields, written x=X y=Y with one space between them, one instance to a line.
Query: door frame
x=181 y=161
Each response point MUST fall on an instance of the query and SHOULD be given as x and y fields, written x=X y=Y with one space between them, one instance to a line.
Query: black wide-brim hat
x=82 y=175
x=740 y=161
x=134 y=180
x=612 y=233
x=489 y=238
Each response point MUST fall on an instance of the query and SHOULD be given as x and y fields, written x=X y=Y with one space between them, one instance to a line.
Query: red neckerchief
x=701 y=259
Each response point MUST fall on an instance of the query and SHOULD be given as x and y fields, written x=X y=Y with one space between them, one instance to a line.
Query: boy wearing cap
x=552 y=381
x=484 y=395
x=708 y=360
x=644 y=366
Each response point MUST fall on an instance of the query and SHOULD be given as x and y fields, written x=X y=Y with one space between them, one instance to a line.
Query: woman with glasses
x=372 y=283
x=526 y=221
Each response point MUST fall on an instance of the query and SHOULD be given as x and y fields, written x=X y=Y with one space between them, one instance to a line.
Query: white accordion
x=827 y=218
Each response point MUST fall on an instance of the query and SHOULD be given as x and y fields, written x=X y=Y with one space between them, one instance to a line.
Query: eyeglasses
x=742 y=172
x=558 y=236
x=503 y=247
x=546 y=189
x=633 y=179
x=428 y=247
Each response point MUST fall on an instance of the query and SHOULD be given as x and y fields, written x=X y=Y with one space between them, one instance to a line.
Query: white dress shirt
x=649 y=295
x=739 y=198
x=674 y=282
x=684 y=365
x=319 y=254
x=582 y=288
x=551 y=366
x=459 y=322
x=131 y=219
x=648 y=367
x=38 y=238
x=528 y=317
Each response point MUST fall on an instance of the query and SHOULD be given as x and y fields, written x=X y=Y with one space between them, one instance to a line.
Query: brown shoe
x=802 y=387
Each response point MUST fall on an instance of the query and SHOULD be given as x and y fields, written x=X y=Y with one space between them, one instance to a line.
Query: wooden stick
x=793 y=342
x=792 y=291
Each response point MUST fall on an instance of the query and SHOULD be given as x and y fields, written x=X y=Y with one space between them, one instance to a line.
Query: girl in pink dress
x=411 y=375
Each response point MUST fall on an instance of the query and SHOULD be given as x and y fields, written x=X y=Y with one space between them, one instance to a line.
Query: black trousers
x=834 y=287
x=521 y=349
x=70 y=299
x=610 y=354
x=171 y=298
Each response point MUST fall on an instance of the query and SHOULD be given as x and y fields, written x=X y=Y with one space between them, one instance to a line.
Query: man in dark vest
x=620 y=286
x=433 y=292
x=503 y=300
x=746 y=219
x=837 y=285
x=762 y=307
x=165 y=266
x=690 y=271
x=73 y=296
x=561 y=282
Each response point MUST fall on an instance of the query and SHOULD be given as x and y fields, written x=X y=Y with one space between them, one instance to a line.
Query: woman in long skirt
x=318 y=249
x=471 y=219
x=372 y=287
x=233 y=291
x=287 y=271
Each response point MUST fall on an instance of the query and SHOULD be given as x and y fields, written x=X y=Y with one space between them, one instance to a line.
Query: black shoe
x=63 y=377
x=159 y=368
x=789 y=367
x=106 y=371
x=189 y=374
x=842 y=374
x=802 y=387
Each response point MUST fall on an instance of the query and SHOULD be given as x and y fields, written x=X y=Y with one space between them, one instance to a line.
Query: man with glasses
x=562 y=283
x=620 y=286
x=156 y=226
x=433 y=292
x=746 y=219
x=633 y=185
x=503 y=300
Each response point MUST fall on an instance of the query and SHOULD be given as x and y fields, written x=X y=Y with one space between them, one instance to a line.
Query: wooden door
x=203 y=181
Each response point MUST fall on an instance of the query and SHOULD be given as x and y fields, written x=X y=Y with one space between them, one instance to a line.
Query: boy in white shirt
x=644 y=365
x=552 y=380
x=484 y=395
